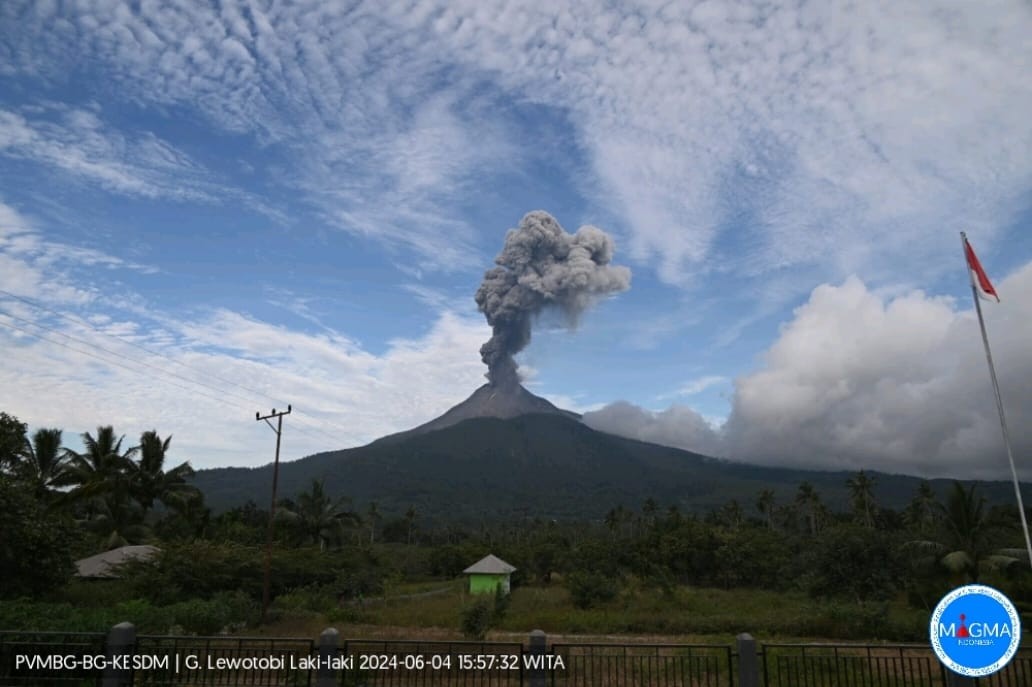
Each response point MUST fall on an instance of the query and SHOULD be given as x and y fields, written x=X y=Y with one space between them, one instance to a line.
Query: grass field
x=686 y=614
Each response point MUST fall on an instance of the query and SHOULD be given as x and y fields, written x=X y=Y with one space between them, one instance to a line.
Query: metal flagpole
x=999 y=398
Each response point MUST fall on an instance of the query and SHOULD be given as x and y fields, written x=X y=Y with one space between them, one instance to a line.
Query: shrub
x=223 y=612
x=477 y=620
x=589 y=588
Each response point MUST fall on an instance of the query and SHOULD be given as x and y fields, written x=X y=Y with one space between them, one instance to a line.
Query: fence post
x=957 y=680
x=536 y=675
x=748 y=661
x=329 y=643
x=119 y=650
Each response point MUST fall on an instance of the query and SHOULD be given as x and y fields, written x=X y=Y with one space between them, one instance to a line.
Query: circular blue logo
x=975 y=630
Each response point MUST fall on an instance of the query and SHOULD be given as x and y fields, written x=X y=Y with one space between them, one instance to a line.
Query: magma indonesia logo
x=975 y=630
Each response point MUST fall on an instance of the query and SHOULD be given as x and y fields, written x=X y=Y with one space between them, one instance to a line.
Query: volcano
x=502 y=401
x=504 y=450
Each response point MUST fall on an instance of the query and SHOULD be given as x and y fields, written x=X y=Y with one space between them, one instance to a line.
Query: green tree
x=317 y=517
x=149 y=482
x=852 y=561
x=922 y=513
x=808 y=503
x=649 y=510
x=12 y=441
x=35 y=543
x=731 y=515
x=861 y=492
x=100 y=477
x=374 y=517
x=410 y=524
x=45 y=462
x=477 y=619
x=588 y=588
x=765 y=504
x=968 y=537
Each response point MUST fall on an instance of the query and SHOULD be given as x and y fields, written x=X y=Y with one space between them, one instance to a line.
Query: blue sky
x=231 y=206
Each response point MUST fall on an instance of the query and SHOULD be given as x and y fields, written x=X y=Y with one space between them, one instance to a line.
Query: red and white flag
x=979 y=278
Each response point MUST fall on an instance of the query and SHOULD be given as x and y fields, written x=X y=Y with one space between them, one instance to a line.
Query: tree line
x=62 y=502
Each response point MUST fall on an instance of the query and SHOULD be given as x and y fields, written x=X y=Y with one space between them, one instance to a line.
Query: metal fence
x=848 y=665
x=897 y=665
x=122 y=659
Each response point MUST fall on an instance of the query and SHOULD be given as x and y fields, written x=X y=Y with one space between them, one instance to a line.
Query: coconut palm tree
x=861 y=491
x=922 y=513
x=765 y=504
x=44 y=463
x=101 y=472
x=410 y=524
x=731 y=515
x=99 y=477
x=808 y=502
x=316 y=517
x=149 y=482
x=966 y=539
x=373 y=513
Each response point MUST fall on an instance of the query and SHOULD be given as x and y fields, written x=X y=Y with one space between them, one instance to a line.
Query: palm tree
x=765 y=504
x=374 y=518
x=861 y=490
x=808 y=501
x=100 y=480
x=45 y=462
x=317 y=517
x=410 y=523
x=101 y=471
x=965 y=544
x=922 y=513
x=731 y=514
x=150 y=482
x=649 y=510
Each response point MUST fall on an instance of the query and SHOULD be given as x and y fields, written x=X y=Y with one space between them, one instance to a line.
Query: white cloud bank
x=857 y=380
x=210 y=372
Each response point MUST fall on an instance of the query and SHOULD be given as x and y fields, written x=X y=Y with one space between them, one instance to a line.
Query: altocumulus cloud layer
x=842 y=132
x=858 y=380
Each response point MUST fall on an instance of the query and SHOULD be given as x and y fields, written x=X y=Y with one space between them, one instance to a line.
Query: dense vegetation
x=787 y=566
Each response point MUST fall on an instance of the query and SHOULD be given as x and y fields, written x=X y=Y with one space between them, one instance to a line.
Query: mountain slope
x=544 y=465
x=488 y=401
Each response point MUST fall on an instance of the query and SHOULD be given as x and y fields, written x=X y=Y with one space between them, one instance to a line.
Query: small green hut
x=488 y=574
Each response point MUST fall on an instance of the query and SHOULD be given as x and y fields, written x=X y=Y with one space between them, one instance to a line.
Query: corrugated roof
x=490 y=565
x=105 y=564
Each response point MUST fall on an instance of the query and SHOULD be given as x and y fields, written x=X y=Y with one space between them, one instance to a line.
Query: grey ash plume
x=542 y=267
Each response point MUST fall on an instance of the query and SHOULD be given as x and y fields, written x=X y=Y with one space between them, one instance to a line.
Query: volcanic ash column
x=541 y=267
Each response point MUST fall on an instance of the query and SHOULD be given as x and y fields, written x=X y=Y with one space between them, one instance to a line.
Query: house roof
x=105 y=564
x=490 y=565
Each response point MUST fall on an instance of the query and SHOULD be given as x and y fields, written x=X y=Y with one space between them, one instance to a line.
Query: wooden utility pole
x=278 y=429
